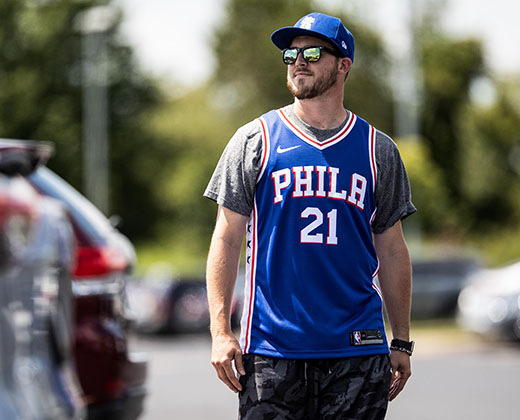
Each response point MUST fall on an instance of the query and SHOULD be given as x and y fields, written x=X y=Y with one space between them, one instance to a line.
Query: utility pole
x=406 y=74
x=93 y=24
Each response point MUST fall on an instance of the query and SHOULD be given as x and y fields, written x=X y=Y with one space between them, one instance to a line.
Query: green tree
x=448 y=68
x=430 y=193
x=490 y=171
x=198 y=131
x=41 y=98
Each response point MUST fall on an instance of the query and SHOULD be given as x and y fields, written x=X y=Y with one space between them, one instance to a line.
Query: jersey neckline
x=321 y=145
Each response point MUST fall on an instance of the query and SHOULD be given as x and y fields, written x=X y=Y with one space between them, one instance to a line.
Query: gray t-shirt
x=234 y=181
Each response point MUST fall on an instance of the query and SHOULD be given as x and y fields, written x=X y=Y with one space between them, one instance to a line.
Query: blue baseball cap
x=329 y=28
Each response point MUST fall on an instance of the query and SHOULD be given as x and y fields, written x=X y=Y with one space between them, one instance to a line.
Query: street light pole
x=406 y=74
x=93 y=24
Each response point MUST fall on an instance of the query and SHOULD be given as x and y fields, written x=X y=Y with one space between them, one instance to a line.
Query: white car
x=37 y=376
x=490 y=303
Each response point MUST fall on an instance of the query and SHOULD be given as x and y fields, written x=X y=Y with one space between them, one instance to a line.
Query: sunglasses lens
x=312 y=54
x=290 y=56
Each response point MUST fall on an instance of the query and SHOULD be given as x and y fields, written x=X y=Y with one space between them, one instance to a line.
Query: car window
x=89 y=218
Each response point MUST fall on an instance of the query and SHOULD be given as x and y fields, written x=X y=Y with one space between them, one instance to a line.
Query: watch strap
x=402 y=345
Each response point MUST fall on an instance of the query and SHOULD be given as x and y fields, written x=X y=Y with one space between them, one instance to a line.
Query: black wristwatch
x=401 y=345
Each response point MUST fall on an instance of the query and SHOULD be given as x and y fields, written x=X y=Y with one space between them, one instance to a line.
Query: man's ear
x=345 y=64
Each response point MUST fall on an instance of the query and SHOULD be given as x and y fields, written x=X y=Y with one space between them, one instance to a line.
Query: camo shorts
x=325 y=389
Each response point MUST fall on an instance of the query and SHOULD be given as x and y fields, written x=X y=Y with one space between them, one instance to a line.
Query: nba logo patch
x=366 y=337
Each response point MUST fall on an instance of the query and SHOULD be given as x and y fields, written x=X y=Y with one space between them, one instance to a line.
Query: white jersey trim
x=372 y=154
x=249 y=281
x=373 y=165
x=374 y=283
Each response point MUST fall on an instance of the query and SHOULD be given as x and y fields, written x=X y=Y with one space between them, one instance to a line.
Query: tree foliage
x=470 y=144
x=197 y=130
x=464 y=166
x=41 y=98
x=490 y=173
x=448 y=69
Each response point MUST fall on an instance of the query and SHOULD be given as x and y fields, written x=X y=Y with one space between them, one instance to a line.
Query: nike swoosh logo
x=280 y=150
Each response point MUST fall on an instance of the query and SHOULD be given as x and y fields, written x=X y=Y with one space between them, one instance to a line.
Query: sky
x=155 y=28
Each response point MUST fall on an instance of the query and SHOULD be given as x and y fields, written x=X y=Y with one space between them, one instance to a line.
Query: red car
x=113 y=378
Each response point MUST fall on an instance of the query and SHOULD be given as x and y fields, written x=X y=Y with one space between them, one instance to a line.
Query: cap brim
x=282 y=37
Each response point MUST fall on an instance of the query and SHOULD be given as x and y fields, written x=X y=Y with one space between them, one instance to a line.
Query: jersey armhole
x=372 y=155
x=265 y=148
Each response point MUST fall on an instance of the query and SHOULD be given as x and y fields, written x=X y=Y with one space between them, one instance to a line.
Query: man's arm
x=395 y=279
x=221 y=273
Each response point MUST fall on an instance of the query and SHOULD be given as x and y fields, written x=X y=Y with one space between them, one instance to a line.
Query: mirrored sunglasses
x=309 y=54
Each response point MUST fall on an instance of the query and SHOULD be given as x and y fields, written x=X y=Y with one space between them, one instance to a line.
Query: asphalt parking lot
x=455 y=376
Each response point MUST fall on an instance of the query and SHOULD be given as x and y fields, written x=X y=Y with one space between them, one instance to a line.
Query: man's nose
x=300 y=60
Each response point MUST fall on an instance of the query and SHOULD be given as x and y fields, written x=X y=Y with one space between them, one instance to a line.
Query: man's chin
x=303 y=94
x=298 y=89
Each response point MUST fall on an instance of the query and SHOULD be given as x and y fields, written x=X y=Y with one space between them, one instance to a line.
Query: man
x=320 y=194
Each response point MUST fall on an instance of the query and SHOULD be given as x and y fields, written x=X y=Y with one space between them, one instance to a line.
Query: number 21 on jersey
x=307 y=235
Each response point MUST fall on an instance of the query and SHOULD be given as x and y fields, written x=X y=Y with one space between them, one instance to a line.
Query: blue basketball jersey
x=311 y=262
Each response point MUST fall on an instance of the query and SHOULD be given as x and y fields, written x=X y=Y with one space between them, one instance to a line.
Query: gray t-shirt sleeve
x=393 y=194
x=234 y=180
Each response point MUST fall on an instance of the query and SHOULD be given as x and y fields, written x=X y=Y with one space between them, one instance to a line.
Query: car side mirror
x=22 y=157
x=115 y=221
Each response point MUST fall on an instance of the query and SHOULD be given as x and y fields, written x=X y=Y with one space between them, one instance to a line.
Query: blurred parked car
x=163 y=302
x=490 y=303
x=437 y=285
x=113 y=377
x=37 y=375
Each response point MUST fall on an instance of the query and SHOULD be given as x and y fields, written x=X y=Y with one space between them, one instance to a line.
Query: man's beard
x=320 y=86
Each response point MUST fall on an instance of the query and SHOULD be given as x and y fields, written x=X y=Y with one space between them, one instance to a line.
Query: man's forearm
x=395 y=279
x=221 y=276
x=395 y=282
x=222 y=268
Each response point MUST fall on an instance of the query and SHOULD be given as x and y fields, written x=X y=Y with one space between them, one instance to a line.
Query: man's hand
x=401 y=371
x=225 y=350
